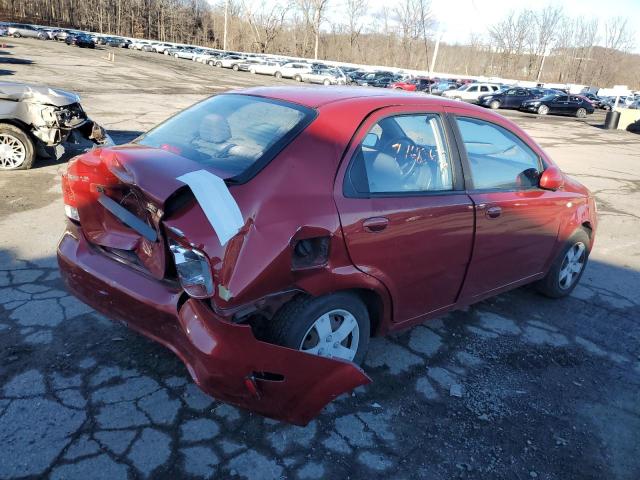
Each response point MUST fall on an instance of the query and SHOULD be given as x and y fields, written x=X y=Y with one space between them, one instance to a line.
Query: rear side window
x=402 y=154
x=237 y=134
x=498 y=158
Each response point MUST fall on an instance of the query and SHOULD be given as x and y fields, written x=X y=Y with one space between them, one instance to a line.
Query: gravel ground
x=516 y=387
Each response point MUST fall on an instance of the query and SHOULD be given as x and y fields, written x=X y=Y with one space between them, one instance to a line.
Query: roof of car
x=314 y=97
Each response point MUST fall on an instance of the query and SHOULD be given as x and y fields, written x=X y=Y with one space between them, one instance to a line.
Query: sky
x=459 y=18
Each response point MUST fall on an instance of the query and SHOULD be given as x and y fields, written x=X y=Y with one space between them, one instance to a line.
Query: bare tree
x=356 y=10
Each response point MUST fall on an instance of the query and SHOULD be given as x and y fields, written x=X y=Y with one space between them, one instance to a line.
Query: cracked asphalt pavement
x=515 y=387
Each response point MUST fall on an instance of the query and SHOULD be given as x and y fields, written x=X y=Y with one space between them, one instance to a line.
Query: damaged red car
x=265 y=235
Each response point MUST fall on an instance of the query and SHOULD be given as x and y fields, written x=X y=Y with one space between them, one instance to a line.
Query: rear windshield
x=236 y=134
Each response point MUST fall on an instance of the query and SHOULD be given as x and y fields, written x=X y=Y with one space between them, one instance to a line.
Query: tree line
x=544 y=44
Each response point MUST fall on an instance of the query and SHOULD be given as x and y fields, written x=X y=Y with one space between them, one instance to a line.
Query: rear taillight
x=69 y=199
x=194 y=270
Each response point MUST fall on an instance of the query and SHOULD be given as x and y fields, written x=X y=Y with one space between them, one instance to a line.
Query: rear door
x=517 y=223
x=406 y=218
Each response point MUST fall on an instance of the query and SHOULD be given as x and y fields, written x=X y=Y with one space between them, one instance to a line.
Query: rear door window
x=403 y=154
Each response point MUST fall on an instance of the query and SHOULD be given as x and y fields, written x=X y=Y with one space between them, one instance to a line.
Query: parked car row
x=492 y=95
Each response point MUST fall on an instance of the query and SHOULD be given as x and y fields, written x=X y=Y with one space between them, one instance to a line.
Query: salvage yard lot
x=549 y=389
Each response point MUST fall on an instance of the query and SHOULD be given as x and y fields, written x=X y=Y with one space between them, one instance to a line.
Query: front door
x=517 y=223
x=405 y=216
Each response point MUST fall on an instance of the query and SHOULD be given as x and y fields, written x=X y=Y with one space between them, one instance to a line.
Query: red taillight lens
x=69 y=199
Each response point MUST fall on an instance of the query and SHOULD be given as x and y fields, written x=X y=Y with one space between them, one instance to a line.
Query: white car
x=471 y=91
x=267 y=68
x=292 y=70
x=138 y=44
x=162 y=48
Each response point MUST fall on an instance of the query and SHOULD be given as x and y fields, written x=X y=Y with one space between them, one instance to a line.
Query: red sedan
x=264 y=235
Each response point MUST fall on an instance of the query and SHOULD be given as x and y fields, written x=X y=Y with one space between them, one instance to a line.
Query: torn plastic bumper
x=223 y=358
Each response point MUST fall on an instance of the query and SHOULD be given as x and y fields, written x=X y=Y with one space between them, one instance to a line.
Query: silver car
x=325 y=76
x=33 y=117
x=18 y=31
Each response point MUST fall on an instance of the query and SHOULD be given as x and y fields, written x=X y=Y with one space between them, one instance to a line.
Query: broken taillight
x=69 y=199
x=194 y=270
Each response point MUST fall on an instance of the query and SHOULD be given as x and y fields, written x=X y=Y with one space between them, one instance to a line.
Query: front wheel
x=567 y=268
x=581 y=113
x=333 y=326
x=543 y=109
x=219 y=64
x=235 y=68
x=278 y=75
x=327 y=82
x=494 y=105
x=297 y=78
x=17 y=151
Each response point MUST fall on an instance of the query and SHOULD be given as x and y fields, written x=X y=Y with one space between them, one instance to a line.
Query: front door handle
x=375 y=224
x=494 y=212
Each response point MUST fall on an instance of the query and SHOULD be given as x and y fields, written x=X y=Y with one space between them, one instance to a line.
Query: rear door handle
x=493 y=212
x=375 y=224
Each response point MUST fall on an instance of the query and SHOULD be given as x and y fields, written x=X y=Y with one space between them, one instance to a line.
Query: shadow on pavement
x=548 y=386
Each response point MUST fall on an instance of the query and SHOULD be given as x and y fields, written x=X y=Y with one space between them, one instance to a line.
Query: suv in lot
x=292 y=70
x=18 y=31
x=471 y=91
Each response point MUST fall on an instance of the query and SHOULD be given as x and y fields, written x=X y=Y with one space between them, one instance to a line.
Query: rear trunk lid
x=121 y=202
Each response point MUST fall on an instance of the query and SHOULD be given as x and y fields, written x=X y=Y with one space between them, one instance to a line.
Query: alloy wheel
x=543 y=110
x=581 y=113
x=335 y=334
x=12 y=152
x=572 y=265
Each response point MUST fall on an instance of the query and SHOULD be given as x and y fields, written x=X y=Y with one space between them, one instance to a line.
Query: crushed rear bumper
x=224 y=359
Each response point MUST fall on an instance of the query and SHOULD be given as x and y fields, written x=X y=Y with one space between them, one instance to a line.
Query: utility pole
x=435 y=54
x=544 y=56
x=226 y=16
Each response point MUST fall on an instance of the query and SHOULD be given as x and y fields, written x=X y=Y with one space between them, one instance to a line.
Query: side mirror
x=552 y=179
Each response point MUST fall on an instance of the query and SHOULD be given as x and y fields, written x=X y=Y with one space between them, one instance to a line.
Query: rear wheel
x=567 y=268
x=218 y=64
x=327 y=81
x=297 y=78
x=235 y=68
x=176 y=55
x=17 y=150
x=277 y=75
x=334 y=326
x=543 y=109
x=581 y=113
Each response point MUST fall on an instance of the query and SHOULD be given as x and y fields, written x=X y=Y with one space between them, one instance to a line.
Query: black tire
x=550 y=285
x=581 y=113
x=27 y=143
x=292 y=322
x=16 y=35
x=277 y=75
